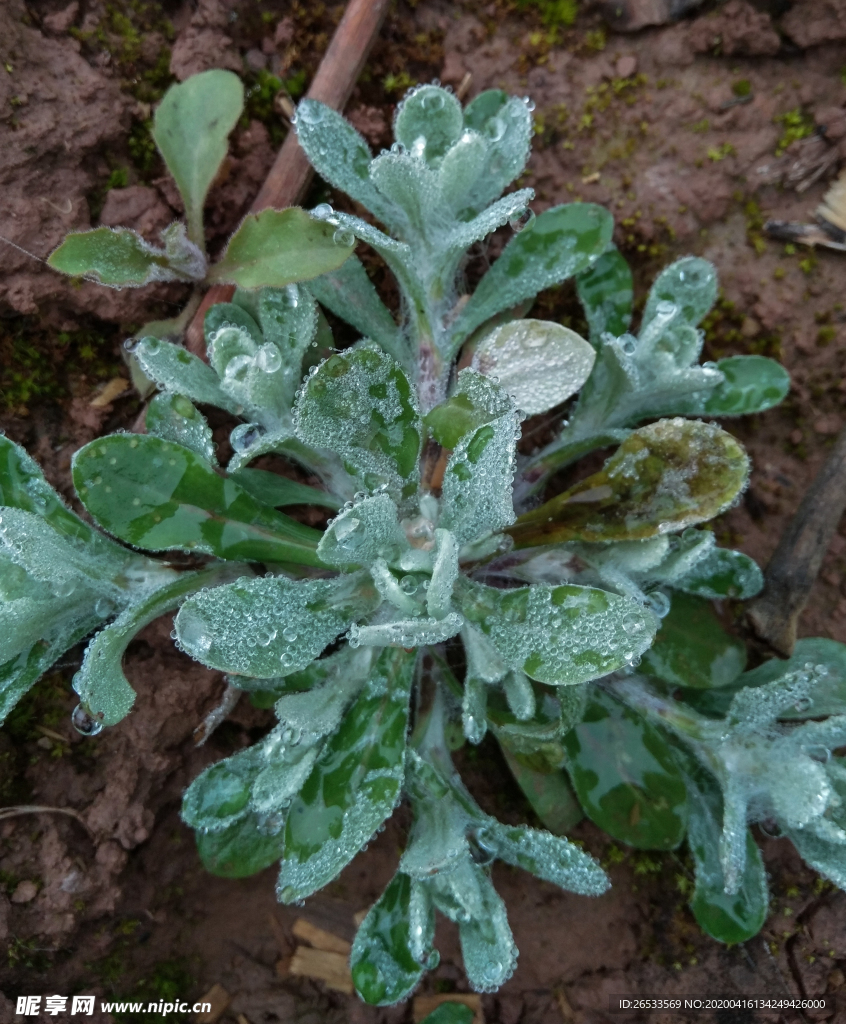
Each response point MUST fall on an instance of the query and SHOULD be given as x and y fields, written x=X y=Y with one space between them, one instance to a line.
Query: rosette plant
x=456 y=591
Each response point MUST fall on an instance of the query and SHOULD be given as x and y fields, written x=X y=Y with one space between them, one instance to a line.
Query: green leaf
x=350 y=294
x=558 y=635
x=220 y=795
x=363 y=533
x=384 y=969
x=341 y=156
x=278 y=491
x=625 y=776
x=278 y=247
x=722 y=573
x=557 y=244
x=690 y=284
x=430 y=114
x=828 y=695
x=450 y=1013
x=606 y=292
x=176 y=369
x=546 y=856
x=692 y=649
x=728 y=919
x=241 y=849
x=505 y=123
x=160 y=496
x=361 y=404
x=487 y=945
x=272 y=626
x=173 y=418
x=538 y=363
x=549 y=793
x=191 y=127
x=752 y=384
x=229 y=314
x=354 y=786
x=100 y=681
x=120 y=258
x=823 y=855
x=665 y=476
x=20 y=673
x=289 y=320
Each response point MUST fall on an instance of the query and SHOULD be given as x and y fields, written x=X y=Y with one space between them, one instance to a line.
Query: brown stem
x=793 y=569
x=291 y=172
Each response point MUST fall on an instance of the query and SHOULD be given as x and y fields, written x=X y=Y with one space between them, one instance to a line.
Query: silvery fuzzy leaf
x=253 y=375
x=176 y=369
x=546 y=856
x=288 y=318
x=460 y=170
x=360 y=534
x=557 y=244
x=464 y=234
x=823 y=855
x=476 y=492
x=428 y=122
x=223 y=315
x=722 y=573
x=505 y=122
x=272 y=626
x=690 y=284
x=444 y=574
x=606 y=292
x=539 y=363
x=388 y=958
x=355 y=784
x=558 y=635
x=220 y=795
x=174 y=418
x=100 y=681
x=412 y=186
x=474 y=706
x=406 y=633
x=349 y=293
x=342 y=157
x=519 y=694
x=487 y=945
x=361 y=404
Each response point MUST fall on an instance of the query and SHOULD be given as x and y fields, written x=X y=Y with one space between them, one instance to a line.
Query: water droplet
x=64 y=587
x=495 y=129
x=265 y=635
x=269 y=358
x=521 y=220
x=322 y=212
x=84 y=722
x=659 y=603
x=433 y=101
x=289 y=634
x=103 y=607
x=310 y=112
x=245 y=435
x=345 y=533
x=408 y=585
x=628 y=344
x=343 y=236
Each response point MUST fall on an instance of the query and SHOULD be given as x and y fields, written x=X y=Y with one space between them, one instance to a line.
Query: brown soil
x=651 y=125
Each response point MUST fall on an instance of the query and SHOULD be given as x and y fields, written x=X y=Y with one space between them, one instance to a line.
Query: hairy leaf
x=606 y=292
x=174 y=418
x=176 y=369
x=120 y=258
x=752 y=384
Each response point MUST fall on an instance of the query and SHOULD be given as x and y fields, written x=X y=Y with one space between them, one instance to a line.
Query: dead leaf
x=319 y=938
x=109 y=392
x=219 y=999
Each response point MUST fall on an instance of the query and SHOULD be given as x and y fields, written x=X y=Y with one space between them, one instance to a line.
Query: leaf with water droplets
x=538 y=363
x=450 y=1012
x=362 y=533
x=341 y=156
x=625 y=776
x=231 y=314
x=751 y=384
x=278 y=247
x=176 y=369
x=558 y=635
x=505 y=123
x=100 y=681
x=220 y=795
x=349 y=293
x=120 y=258
x=428 y=120
x=174 y=418
x=191 y=127
x=606 y=292
x=163 y=497
x=548 y=857
x=665 y=476
x=726 y=918
x=487 y=945
x=279 y=491
x=384 y=968
x=241 y=849
x=823 y=855
x=355 y=784
x=557 y=244
x=722 y=573
x=361 y=404
x=690 y=284
x=272 y=626
x=692 y=649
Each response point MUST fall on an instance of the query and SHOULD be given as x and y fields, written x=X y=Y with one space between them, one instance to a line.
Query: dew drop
x=84 y=722
x=343 y=236
x=269 y=358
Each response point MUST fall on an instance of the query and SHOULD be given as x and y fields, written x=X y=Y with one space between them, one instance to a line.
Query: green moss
x=717 y=153
x=142 y=149
x=796 y=124
x=392 y=83
x=553 y=13
x=742 y=87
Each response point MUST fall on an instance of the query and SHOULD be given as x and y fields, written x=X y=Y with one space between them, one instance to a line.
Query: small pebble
x=24 y=892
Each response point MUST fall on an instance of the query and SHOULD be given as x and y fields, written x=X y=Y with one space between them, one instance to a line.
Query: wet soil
x=690 y=133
